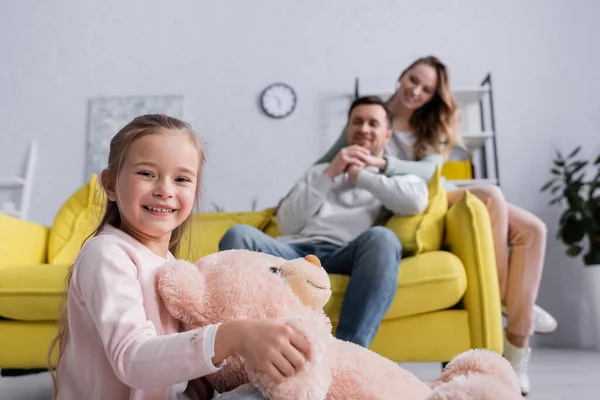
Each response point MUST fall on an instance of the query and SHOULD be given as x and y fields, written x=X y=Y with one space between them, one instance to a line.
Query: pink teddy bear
x=241 y=284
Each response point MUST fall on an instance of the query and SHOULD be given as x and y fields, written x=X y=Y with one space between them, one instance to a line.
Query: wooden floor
x=555 y=375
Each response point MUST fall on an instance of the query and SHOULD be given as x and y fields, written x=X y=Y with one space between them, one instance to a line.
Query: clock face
x=278 y=100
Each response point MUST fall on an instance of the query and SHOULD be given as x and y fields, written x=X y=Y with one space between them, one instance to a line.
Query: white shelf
x=475 y=141
x=12 y=182
x=471 y=182
x=470 y=94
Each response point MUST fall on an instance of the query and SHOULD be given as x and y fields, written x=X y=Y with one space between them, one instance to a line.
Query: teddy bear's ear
x=313 y=259
x=181 y=287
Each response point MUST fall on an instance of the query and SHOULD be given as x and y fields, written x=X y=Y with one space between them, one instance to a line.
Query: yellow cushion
x=272 y=229
x=206 y=230
x=427 y=282
x=457 y=169
x=423 y=232
x=436 y=336
x=32 y=293
x=75 y=221
x=22 y=242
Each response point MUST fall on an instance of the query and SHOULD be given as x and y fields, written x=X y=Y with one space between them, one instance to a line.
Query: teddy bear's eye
x=275 y=270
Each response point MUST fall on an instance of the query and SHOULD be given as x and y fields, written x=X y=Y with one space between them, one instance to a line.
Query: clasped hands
x=353 y=159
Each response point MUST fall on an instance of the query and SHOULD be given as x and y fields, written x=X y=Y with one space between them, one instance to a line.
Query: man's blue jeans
x=371 y=260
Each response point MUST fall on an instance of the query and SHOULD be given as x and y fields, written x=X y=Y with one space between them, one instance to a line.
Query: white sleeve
x=304 y=200
x=401 y=194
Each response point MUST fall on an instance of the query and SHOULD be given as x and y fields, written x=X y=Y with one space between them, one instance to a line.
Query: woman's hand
x=346 y=157
x=374 y=161
x=276 y=347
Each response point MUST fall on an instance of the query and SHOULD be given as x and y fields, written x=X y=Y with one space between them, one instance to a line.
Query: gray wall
x=544 y=57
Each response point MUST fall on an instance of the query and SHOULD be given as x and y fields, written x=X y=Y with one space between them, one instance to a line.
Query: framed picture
x=109 y=114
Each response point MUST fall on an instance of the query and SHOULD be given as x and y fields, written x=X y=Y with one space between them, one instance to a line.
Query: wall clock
x=278 y=100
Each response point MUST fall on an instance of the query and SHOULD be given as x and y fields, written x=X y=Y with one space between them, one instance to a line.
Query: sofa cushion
x=22 y=242
x=75 y=221
x=423 y=232
x=32 y=293
x=427 y=282
x=206 y=230
x=271 y=228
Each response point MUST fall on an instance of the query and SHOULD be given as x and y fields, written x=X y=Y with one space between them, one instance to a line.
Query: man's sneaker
x=519 y=359
x=542 y=320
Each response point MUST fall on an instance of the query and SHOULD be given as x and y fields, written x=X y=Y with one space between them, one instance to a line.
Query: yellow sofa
x=447 y=300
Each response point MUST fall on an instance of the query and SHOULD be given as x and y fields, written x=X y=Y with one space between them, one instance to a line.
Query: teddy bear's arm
x=181 y=287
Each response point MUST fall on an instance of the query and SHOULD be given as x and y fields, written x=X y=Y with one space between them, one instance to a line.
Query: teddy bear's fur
x=240 y=284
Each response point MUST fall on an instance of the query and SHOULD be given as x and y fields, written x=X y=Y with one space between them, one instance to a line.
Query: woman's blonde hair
x=434 y=124
x=119 y=145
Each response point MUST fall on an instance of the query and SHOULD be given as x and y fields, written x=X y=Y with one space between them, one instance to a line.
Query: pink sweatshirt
x=123 y=344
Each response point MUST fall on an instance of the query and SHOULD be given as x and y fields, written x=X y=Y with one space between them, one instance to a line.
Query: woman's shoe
x=542 y=320
x=519 y=359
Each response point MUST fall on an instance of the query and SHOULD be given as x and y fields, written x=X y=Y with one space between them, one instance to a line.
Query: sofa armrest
x=469 y=236
x=22 y=242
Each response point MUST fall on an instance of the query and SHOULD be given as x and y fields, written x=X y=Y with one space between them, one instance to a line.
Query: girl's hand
x=275 y=347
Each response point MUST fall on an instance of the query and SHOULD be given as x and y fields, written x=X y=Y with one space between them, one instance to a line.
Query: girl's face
x=417 y=86
x=156 y=185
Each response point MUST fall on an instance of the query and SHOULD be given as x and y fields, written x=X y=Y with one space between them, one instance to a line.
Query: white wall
x=543 y=56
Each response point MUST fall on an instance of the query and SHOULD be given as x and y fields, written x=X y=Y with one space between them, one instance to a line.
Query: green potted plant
x=576 y=186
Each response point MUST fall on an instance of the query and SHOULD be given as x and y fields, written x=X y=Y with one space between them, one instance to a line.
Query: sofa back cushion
x=207 y=228
x=75 y=221
x=424 y=232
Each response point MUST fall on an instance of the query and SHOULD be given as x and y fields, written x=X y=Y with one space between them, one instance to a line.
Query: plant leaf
x=579 y=178
x=574 y=250
x=559 y=163
x=577 y=167
x=555 y=201
x=555 y=189
x=559 y=156
x=573 y=229
x=574 y=152
x=555 y=171
x=593 y=187
x=576 y=203
x=597 y=161
x=547 y=185
x=594 y=184
x=564 y=217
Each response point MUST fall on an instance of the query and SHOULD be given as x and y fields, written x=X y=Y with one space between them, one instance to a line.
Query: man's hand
x=345 y=158
x=353 y=172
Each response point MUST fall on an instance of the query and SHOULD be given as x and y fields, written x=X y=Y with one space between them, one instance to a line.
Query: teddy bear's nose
x=313 y=259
